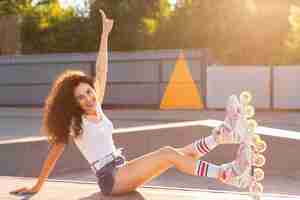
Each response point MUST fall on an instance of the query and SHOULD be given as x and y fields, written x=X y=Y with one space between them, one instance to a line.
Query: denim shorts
x=106 y=175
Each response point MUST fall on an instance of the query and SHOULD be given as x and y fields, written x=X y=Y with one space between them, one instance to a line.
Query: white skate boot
x=233 y=129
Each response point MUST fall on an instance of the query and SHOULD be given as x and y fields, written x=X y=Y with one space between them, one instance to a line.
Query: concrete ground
x=173 y=178
x=54 y=190
x=26 y=122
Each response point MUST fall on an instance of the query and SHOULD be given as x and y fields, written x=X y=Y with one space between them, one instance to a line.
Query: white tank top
x=96 y=140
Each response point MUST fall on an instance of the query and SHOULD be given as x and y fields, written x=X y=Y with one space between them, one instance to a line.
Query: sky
x=75 y=3
x=80 y=3
x=66 y=3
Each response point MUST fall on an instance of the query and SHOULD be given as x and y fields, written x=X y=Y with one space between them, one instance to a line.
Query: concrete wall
x=140 y=78
x=286 y=87
x=222 y=81
x=30 y=83
x=136 y=78
x=133 y=82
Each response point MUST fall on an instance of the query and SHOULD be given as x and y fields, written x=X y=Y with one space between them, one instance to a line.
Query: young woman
x=73 y=111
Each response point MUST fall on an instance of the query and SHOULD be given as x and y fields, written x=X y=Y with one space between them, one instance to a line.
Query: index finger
x=102 y=13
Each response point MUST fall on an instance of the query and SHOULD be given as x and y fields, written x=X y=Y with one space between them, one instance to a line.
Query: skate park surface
x=19 y=124
x=88 y=191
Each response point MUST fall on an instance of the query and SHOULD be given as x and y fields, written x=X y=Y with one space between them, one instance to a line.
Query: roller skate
x=251 y=148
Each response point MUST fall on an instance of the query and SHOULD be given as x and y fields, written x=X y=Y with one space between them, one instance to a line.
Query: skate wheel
x=256 y=139
x=245 y=97
x=259 y=160
x=251 y=125
x=249 y=111
x=260 y=146
x=259 y=174
x=256 y=188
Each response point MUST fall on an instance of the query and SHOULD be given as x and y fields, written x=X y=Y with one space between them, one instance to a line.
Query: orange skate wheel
x=259 y=174
x=259 y=160
x=256 y=139
x=256 y=188
x=261 y=146
x=249 y=111
x=251 y=125
x=245 y=97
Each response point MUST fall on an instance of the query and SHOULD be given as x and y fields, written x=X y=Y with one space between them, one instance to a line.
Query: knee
x=168 y=150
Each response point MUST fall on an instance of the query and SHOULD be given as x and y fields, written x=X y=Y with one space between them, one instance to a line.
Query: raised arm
x=102 y=58
x=54 y=154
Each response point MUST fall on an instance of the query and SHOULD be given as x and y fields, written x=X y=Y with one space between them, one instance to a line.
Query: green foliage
x=293 y=42
x=48 y=28
x=8 y=7
x=135 y=21
x=237 y=32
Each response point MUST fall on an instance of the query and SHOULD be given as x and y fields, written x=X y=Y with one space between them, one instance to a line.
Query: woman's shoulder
x=101 y=112
x=99 y=107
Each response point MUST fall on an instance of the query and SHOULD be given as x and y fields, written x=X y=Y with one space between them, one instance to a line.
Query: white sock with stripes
x=205 y=145
x=204 y=168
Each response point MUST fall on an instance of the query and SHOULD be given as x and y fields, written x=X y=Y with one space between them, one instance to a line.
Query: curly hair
x=62 y=113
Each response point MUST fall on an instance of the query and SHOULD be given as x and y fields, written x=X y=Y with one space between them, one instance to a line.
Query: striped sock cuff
x=204 y=145
x=204 y=168
x=201 y=168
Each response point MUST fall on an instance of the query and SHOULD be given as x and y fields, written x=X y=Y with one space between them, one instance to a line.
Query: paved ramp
x=55 y=190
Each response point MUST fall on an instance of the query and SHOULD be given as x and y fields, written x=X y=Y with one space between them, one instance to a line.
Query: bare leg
x=189 y=150
x=143 y=169
x=140 y=170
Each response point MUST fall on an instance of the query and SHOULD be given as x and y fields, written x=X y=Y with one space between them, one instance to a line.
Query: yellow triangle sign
x=181 y=92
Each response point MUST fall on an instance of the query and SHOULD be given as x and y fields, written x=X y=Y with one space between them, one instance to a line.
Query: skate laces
x=242 y=161
x=225 y=128
x=233 y=113
x=224 y=132
x=229 y=173
x=226 y=175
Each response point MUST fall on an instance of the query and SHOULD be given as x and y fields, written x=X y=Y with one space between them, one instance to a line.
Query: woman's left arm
x=102 y=58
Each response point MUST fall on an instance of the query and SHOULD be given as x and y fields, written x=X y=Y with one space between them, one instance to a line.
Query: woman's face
x=85 y=95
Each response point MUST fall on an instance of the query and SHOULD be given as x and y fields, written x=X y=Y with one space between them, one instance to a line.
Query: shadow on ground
x=99 y=196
